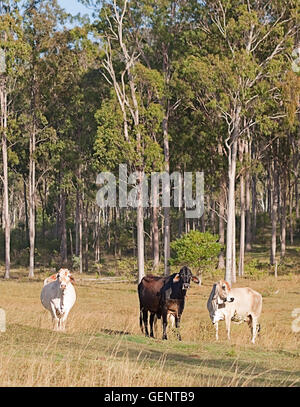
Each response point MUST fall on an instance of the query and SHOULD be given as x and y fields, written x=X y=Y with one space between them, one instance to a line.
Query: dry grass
x=103 y=345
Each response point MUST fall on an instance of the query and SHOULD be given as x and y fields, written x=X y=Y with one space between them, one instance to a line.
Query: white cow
x=58 y=296
x=236 y=304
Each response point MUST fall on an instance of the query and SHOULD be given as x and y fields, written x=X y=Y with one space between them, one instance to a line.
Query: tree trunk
x=97 y=237
x=274 y=197
x=140 y=228
x=26 y=211
x=291 y=211
x=32 y=197
x=167 y=231
x=77 y=217
x=86 y=239
x=80 y=234
x=248 y=199
x=269 y=192
x=283 y=214
x=213 y=217
x=63 y=245
x=71 y=243
x=180 y=222
x=242 y=202
x=221 y=263
x=230 y=237
x=155 y=231
x=230 y=234
x=233 y=272
x=297 y=198
x=6 y=218
x=254 y=203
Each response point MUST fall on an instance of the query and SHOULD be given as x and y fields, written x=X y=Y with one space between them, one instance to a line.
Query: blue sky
x=74 y=7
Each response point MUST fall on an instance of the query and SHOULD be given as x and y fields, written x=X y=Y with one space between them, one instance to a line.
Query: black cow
x=163 y=296
x=172 y=297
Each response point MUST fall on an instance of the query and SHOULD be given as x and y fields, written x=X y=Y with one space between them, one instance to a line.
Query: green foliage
x=75 y=263
x=255 y=270
x=195 y=249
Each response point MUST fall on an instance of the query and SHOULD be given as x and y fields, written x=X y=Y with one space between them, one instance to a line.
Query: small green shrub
x=195 y=249
x=127 y=267
x=75 y=262
x=254 y=270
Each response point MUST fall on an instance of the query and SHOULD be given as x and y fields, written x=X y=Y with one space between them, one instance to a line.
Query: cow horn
x=196 y=279
x=176 y=278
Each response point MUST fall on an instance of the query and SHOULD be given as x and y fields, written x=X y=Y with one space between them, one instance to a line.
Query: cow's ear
x=72 y=279
x=196 y=280
x=176 y=278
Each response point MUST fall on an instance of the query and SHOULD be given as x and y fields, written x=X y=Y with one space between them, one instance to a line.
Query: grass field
x=103 y=345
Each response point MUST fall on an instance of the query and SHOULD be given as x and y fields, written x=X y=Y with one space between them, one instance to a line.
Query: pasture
x=103 y=344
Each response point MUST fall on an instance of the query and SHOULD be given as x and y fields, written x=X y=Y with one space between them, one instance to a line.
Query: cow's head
x=64 y=277
x=223 y=291
x=185 y=275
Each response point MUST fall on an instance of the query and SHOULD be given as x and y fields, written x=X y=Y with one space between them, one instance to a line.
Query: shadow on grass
x=114 y=332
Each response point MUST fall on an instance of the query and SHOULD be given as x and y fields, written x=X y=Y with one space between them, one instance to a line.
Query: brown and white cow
x=236 y=304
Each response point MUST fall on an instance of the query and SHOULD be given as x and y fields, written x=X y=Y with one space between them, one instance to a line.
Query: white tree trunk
x=248 y=236
x=274 y=197
x=283 y=213
x=155 y=231
x=242 y=204
x=32 y=143
x=221 y=263
x=230 y=271
x=6 y=219
x=167 y=231
x=230 y=236
x=242 y=232
x=140 y=228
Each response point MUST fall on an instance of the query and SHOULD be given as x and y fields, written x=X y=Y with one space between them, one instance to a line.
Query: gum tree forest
x=185 y=85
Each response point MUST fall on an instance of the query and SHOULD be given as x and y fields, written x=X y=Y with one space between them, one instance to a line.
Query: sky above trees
x=74 y=7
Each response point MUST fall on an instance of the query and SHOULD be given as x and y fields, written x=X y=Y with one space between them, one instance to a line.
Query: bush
x=254 y=270
x=195 y=249
x=75 y=262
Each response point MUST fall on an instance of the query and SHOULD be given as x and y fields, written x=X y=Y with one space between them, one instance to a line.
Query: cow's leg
x=165 y=323
x=145 y=319
x=227 y=322
x=217 y=330
x=152 y=316
x=177 y=325
x=255 y=328
x=55 y=320
x=63 y=321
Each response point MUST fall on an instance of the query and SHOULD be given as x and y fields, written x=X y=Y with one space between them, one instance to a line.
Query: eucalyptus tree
x=3 y=126
x=132 y=84
x=236 y=72
x=166 y=23
x=12 y=53
x=41 y=20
